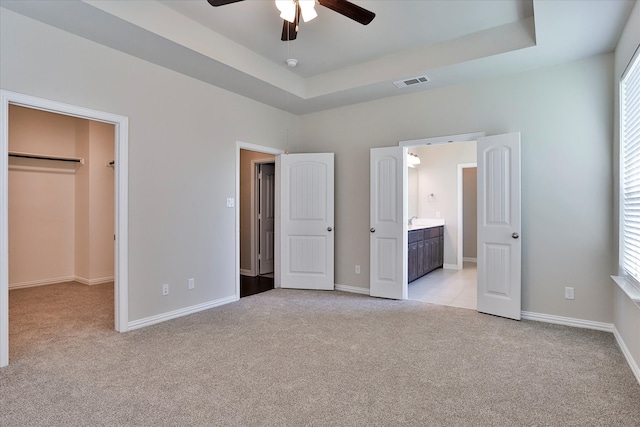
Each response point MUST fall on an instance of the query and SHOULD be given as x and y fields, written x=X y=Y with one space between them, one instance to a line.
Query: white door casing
x=388 y=226
x=499 y=226
x=266 y=216
x=307 y=221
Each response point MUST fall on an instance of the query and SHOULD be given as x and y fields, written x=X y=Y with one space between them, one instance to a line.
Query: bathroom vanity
x=426 y=247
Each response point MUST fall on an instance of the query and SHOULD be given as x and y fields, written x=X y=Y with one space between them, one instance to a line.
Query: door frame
x=461 y=168
x=121 y=268
x=445 y=139
x=240 y=145
x=255 y=228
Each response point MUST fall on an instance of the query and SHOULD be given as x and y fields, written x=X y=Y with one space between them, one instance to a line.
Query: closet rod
x=44 y=157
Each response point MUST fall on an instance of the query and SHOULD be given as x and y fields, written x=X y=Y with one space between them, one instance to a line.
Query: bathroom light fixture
x=412 y=160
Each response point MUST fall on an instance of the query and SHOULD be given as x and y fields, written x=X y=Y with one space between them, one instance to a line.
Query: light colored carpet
x=305 y=358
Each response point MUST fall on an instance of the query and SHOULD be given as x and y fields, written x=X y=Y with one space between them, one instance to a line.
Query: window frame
x=633 y=68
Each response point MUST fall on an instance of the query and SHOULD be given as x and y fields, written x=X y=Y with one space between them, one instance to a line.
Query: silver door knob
x=329 y=229
x=515 y=235
x=373 y=230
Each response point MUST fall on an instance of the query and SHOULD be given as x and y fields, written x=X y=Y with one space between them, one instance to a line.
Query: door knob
x=515 y=235
x=373 y=230
x=329 y=228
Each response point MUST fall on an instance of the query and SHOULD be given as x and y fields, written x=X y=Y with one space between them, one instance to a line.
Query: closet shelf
x=46 y=157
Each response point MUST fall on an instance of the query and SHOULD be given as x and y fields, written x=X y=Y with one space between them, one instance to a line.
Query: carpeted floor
x=305 y=358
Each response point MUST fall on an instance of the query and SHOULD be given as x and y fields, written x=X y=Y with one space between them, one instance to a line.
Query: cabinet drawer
x=416 y=236
x=432 y=232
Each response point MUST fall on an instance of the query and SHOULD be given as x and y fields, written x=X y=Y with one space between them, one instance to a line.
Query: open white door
x=388 y=233
x=266 y=217
x=306 y=215
x=499 y=242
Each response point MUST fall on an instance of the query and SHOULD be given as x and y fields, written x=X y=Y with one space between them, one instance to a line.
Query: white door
x=306 y=215
x=388 y=233
x=499 y=241
x=266 y=216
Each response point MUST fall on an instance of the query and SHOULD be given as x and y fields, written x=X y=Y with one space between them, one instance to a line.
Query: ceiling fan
x=291 y=10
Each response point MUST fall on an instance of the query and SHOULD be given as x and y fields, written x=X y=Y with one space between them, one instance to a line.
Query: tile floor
x=456 y=288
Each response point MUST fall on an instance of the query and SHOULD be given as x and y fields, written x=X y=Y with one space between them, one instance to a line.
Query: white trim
x=92 y=282
x=567 y=321
x=41 y=282
x=260 y=149
x=121 y=137
x=469 y=259
x=446 y=139
x=631 y=291
x=452 y=267
x=152 y=320
x=245 y=272
x=460 y=243
x=627 y=354
x=352 y=289
x=255 y=250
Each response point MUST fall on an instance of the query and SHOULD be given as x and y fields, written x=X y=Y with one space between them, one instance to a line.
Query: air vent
x=412 y=81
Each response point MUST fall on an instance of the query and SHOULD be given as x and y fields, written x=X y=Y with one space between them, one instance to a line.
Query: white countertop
x=421 y=223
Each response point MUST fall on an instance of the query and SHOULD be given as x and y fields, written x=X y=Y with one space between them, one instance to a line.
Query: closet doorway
x=36 y=162
x=257 y=222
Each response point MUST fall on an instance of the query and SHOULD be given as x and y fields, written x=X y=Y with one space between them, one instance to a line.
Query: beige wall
x=469 y=213
x=626 y=315
x=41 y=198
x=246 y=176
x=564 y=116
x=61 y=214
x=438 y=175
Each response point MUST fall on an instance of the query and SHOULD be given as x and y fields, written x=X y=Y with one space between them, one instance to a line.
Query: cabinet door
x=412 y=261
x=422 y=265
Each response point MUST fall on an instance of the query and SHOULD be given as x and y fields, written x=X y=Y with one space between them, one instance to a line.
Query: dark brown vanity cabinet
x=426 y=251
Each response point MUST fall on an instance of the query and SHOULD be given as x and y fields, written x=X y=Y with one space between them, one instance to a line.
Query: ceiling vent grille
x=412 y=81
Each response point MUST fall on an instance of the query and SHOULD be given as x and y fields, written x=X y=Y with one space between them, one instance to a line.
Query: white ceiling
x=341 y=62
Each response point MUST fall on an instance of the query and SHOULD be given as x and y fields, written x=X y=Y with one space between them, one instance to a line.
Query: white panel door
x=266 y=217
x=499 y=241
x=388 y=233
x=307 y=242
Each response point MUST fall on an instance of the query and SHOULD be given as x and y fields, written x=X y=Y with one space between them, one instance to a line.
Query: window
x=630 y=171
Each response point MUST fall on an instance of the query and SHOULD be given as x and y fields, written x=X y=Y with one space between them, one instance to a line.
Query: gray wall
x=564 y=114
x=182 y=154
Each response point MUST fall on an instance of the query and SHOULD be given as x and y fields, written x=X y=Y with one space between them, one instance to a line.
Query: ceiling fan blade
x=290 y=29
x=216 y=3
x=350 y=10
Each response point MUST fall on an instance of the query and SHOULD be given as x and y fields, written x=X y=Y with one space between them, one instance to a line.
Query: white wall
x=626 y=315
x=182 y=145
x=564 y=114
x=438 y=175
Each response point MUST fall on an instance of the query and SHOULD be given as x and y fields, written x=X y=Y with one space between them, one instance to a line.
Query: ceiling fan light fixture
x=287 y=9
x=307 y=9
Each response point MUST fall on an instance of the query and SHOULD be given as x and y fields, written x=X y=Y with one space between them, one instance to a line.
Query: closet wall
x=60 y=213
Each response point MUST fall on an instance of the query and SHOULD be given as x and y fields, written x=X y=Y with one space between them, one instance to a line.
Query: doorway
x=256 y=219
x=120 y=160
x=444 y=187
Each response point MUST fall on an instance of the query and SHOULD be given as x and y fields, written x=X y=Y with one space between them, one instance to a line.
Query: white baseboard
x=92 y=282
x=352 y=289
x=567 y=321
x=467 y=259
x=450 y=266
x=41 y=282
x=245 y=272
x=152 y=320
x=627 y=354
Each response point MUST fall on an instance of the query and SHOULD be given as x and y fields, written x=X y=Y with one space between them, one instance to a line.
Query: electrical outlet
x=437 y=214
x=357 y=269
x=192 y=283
x=230 y=202
x=569 y=293
x=165 y=289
